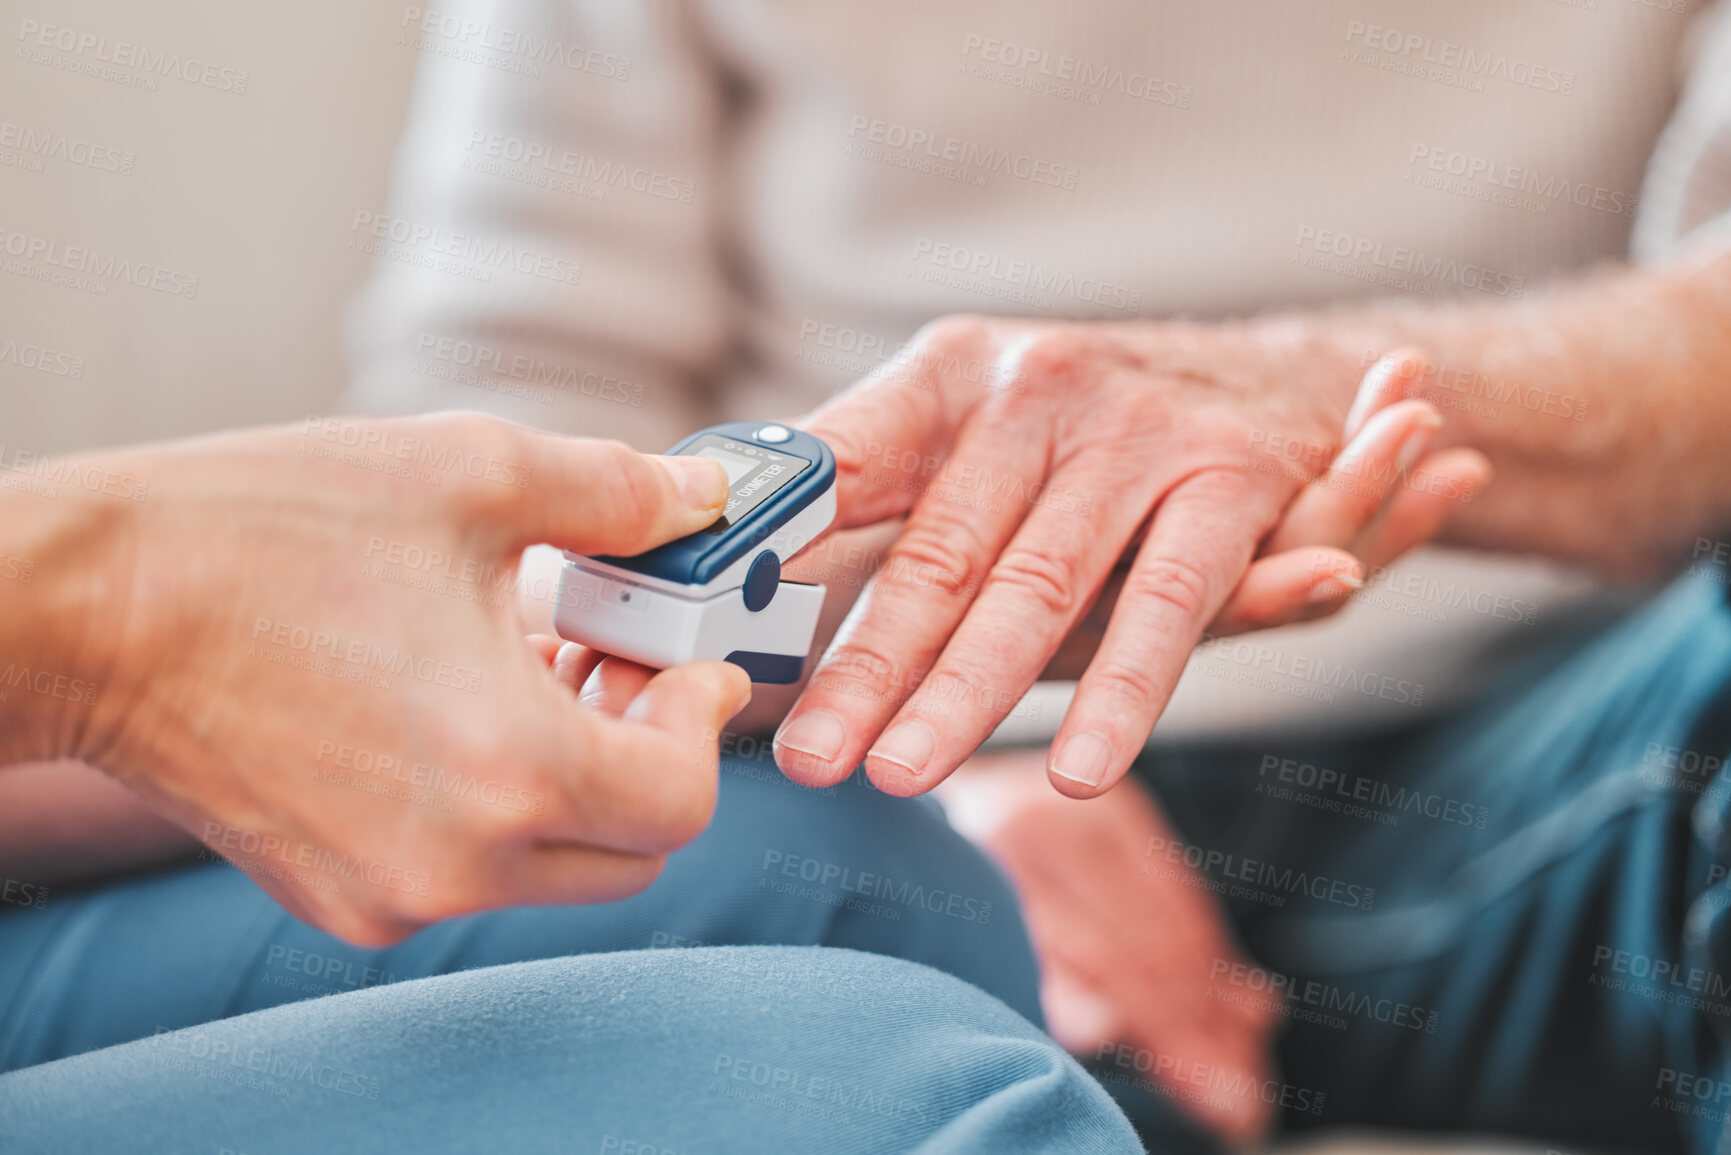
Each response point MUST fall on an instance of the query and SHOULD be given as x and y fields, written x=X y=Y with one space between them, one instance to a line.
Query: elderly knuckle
x=952 y=333
x=858 y=670
x=968 y=682
x=1054 y=361
x=1169 y=582
x=1062 y=345
x=1125 y=682
x=1224 y=485
x=935 y=555
x=1058 y=355
x=1049 y=581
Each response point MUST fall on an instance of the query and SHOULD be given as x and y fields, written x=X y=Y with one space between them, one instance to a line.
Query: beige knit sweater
x=632 y=219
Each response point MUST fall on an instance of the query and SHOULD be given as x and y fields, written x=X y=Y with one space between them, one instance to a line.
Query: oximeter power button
x=761 y=580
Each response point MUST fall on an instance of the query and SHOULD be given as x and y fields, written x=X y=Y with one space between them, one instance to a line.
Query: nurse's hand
x=301 y=644
x=1030 y=460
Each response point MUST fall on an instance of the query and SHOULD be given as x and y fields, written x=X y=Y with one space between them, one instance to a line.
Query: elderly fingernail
x=1370 y=387
x=908 y=744
x=1083 y=758
x=1417 y=441
x=1336 y=586
x=702 y=482
x=816 y=733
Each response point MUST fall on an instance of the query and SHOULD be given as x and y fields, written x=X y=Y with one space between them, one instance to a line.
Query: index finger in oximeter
x=718 y=593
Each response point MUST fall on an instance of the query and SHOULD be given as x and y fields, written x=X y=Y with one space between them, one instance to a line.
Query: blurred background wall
x=204 y=177
x=218 y=153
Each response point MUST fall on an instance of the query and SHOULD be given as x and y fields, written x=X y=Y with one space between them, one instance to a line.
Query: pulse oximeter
x=718 y=593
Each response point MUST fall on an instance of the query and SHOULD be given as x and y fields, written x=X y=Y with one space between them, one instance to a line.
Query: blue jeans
x=1510 y=920
x=182 y=1010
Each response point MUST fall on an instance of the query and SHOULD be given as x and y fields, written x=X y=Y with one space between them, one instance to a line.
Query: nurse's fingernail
x=908 y=744
x=702 y=481
x=816 y=733
x=1083 y=758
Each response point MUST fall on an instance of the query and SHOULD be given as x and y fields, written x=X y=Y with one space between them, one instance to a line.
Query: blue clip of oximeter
x=718 y=593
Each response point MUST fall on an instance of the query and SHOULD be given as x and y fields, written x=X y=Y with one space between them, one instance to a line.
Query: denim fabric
x=1510 y=920
x=184 y=1010
x=633 y=1052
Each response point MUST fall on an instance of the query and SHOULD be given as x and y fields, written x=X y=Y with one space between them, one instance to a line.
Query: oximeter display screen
x=755 y=473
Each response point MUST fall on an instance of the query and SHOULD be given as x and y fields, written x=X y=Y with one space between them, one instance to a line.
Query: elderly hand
x=1029 y=459
x=1130 y=957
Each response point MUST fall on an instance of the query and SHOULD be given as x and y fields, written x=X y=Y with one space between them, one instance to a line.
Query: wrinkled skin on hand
x=1031 y=461
x=1133 y=948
